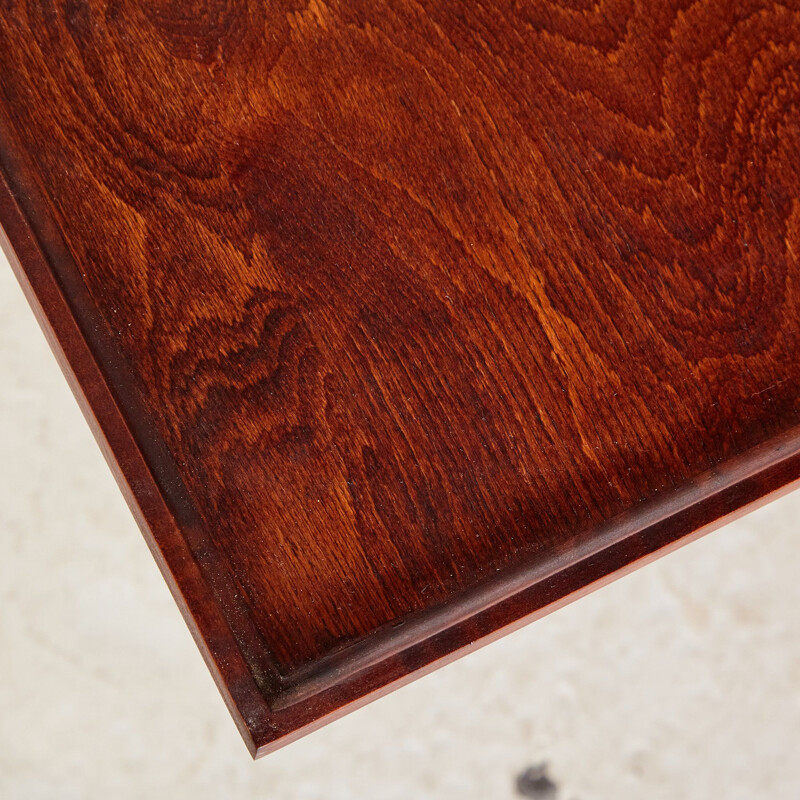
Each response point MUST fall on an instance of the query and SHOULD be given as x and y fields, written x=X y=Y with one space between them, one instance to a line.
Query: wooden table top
x=401 y=322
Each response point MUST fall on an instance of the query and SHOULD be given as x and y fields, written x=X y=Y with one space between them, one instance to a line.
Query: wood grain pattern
x=402 y=321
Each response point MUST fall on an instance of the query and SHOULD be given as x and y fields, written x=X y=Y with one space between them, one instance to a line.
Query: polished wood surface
x=402 y=321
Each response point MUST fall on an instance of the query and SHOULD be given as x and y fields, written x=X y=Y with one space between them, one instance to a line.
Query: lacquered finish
x=403 y=321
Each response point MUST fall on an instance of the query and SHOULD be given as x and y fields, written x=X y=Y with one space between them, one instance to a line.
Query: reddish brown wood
x=403 y=322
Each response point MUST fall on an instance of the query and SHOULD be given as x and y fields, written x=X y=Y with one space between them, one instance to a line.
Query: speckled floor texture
x=679 y=681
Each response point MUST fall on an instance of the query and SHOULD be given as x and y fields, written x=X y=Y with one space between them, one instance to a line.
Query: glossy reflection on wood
x=403 y=321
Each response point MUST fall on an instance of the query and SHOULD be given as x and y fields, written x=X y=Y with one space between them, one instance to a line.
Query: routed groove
x=402 y=323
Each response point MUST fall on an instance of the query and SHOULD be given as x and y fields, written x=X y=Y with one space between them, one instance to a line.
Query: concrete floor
x=680 y=681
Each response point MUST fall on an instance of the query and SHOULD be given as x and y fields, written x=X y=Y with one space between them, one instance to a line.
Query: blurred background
x=679 y=681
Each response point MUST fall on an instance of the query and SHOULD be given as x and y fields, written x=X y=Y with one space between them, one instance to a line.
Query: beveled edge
x=367 y=669
x=653 y=529
x=108 y=424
